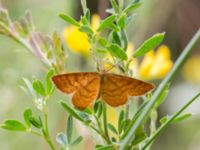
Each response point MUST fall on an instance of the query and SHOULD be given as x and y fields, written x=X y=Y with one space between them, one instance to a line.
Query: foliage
x=130 y=132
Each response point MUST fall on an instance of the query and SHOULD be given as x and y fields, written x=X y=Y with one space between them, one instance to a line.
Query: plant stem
x=157 y=93
x=36 y=133
x=105 y=122
x=167 y=123
x=46 y=129
x=100 y=133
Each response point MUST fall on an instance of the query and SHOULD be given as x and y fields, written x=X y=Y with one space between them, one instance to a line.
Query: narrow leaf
x=61 y=138
x=38 y=87
x=77 y=141
x=49 y=84
x=182 y=117
x=35 y=122
x=122 y=21
x=112 y=128
x=102 y=41
x=71 y=111
x=109 y=147
x=117 y=51
x=120 y=121
x=149 y=44
x=69 y=19
x=27 y=116
x=86 y=29
x=13 y=125
x=114 y=5
x=105 y=23
x=132 y=7
x=69 y=128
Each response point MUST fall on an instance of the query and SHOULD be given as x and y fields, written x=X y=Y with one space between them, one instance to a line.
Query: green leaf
x=102 y=41
x=132 y=7
x=112 y=128
x=69 y=128
x=38 y=87
x=77 y=141
x=182 y=117
x=71 y=111
x=27 y=116
x=116 y=38
x=177 y=119
x=84 y=20
x=88 y=111
x=13 y=125
x=86 y=29
x=122 y=21
x=120 y=121
x=96 y=105
x=100 y=110
x=109 y=147
x=88 y=15
x=114 y=5
x=49 y=84
x=36 y=122
x=140 y=136
x=61 y=138
x=117 y=51
x=69 y=19
x=149 y=44
x=101 y=51
x=105 y=23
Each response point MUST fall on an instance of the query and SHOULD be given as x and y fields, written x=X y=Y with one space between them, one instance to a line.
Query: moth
x=114 y=89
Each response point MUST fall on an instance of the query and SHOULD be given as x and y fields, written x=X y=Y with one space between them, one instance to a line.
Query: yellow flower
x=156 y=65
x=78 y=41
x=191 y=72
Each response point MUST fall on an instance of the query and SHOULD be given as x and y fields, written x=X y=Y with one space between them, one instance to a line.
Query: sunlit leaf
x=49 y=84
x=120 y=121
x=122 y=21
x=109 y=147
x=112 y=128
x=105 y=23
x=132 y=7
x=149 y=44
x=86 y=29
x=35 y=122
x=71 y=111
x=117 y=51
x=27 y=116
x=69 y=19
x=13 y=125
x=38 y=87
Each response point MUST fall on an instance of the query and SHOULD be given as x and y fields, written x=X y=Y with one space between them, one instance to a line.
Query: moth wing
x=84 y=87
x=115 y=89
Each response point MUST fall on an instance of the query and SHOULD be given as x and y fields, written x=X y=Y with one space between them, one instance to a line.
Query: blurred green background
x=178 y=18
